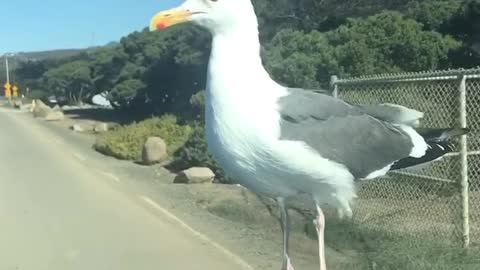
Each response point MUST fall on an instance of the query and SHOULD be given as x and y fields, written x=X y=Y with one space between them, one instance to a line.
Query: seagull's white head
x=218 y=16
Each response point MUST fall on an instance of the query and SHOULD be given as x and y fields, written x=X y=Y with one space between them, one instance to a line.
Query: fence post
x=464 y=163
x=334 y=85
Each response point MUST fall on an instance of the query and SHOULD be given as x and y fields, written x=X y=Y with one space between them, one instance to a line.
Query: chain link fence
x=443 y=200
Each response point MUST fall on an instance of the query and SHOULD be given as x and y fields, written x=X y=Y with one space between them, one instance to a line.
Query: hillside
x=44 y=55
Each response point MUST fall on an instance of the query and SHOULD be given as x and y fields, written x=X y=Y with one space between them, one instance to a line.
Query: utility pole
x=6 y=65
x=8 y=86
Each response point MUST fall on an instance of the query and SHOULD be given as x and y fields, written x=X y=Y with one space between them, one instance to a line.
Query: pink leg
x=287 y=265
x=320 y=226
x=284 y=222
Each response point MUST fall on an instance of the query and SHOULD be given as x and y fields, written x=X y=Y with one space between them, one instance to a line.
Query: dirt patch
x=73 y=117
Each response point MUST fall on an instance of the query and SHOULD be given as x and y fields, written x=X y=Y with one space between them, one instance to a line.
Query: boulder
x=54 y=116
x=41 y=112
x=40 y=103
x=100 y=128
x=32 y=106
x=39 y=109
x=154 y=151
x=195 y=175
x=77 y=128
x=17 y=104
x=57 y=108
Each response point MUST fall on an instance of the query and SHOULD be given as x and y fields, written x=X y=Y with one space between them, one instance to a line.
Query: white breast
x=240 y=130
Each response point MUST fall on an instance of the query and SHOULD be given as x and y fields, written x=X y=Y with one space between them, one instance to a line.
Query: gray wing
x=342 y=132
x=393 y=113
x=302 y=103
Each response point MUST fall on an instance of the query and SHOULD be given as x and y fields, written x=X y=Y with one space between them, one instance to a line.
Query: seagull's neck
x=244 y=44
x=239 y=90
x=235 y=66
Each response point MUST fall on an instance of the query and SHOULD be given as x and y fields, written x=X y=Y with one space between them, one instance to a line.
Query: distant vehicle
x=101 y=100
x=52 y=100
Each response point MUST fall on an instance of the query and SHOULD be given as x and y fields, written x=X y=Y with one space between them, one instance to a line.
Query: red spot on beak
x=161 y=25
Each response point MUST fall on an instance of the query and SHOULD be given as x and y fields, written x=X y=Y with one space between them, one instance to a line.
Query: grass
x=186 y=142
x=232 y=209
x=353 y=245
x=126 y=142
x=383 y=251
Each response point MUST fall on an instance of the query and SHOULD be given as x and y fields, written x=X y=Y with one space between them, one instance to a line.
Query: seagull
x=283 y=142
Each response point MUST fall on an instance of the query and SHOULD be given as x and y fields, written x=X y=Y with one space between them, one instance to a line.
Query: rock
x=77 y=128
x=17 y=104
x=39 y=109
x=100 y=128
x=40 y=103
x=154 y=151
x=40 y=112
x=195 y=175
x=32 y=106
x=55 y=116
x=57 y=108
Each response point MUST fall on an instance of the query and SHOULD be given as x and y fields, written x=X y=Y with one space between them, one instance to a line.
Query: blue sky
x=33 y=25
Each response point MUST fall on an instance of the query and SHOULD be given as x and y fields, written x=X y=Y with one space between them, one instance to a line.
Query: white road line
x=201 y=236
x=3 y=110
x=80 y=157
x=111 y=176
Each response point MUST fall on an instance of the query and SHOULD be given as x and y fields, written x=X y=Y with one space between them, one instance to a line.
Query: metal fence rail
x=443 y=200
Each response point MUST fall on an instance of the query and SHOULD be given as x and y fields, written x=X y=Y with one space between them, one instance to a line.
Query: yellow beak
x=169 y=17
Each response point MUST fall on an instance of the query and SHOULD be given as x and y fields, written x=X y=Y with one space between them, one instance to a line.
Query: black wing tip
x=464 y=130
x=435 y=151
x=442 y=133
x=455 y=132
x=439 y=146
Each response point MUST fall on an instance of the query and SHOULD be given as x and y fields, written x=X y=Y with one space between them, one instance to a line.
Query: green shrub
x=126 y=142
x=194 y=153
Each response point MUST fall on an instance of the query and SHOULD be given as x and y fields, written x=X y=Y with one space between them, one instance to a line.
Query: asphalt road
x=58 y=214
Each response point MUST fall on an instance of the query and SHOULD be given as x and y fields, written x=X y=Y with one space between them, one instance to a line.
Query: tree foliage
x=464 y=26
x=385 y=42
x=71 y=81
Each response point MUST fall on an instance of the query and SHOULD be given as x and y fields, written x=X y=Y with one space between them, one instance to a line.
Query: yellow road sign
x=7 y=86
x=15 y=91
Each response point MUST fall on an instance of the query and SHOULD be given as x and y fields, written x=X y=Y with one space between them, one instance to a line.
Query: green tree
x=432 y=13
x=176 y=62
x=385 y=42
x=123 y=93
x=465 y=27
x=301 y=59
x=106 y=65
x=394 y=43
x=29 y=74
x=71 y=82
